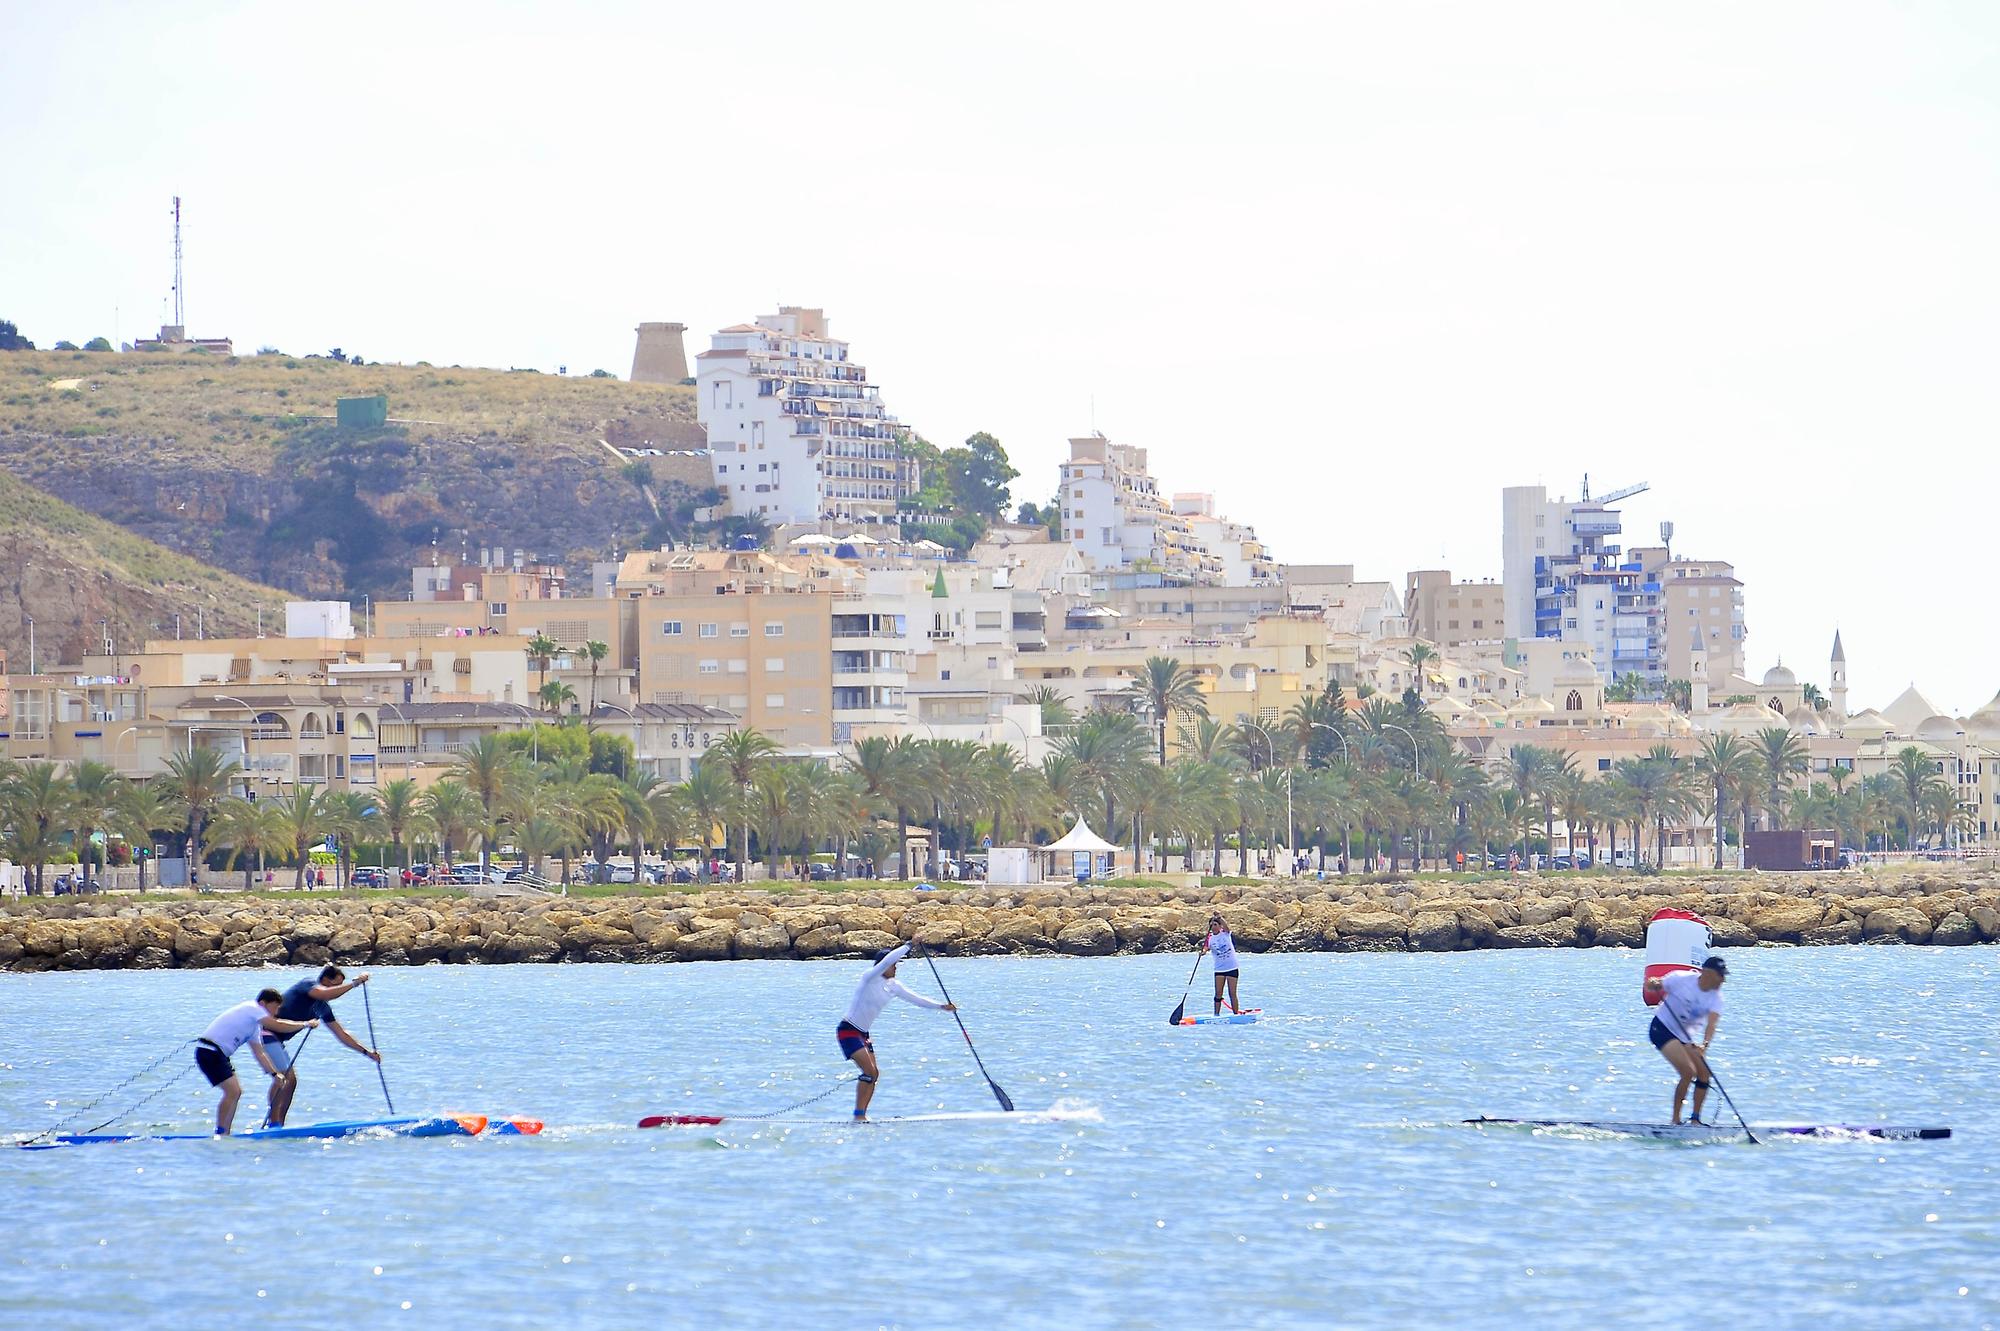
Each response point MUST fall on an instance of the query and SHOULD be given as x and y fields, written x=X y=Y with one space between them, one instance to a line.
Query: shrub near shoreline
x=1942 y=908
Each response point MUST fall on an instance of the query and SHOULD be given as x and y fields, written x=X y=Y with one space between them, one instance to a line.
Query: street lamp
x=248 y=728
x=1417 y=768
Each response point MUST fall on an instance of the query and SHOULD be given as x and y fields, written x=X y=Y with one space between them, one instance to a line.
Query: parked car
x=369 y=876
x=821 y=873
x=1623 y=859
x=685 y=873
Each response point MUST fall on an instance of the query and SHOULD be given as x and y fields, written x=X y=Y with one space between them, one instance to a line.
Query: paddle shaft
x=1180 y=1008
x=369 y=1008
x=998 y=1094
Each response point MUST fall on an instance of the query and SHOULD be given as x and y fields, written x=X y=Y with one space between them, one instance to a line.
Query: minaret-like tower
x=1836 y=676
x=1697 y=675
x=661 y=354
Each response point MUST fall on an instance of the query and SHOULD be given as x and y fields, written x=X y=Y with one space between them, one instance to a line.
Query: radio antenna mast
x=179 y=320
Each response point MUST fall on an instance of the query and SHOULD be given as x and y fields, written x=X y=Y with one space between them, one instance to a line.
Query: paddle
x=1180 y=1008
x=1726 y=1100
x=998 y=1094
x=370 y=1009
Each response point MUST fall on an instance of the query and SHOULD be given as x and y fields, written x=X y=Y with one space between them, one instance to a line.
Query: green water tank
x=363 y=413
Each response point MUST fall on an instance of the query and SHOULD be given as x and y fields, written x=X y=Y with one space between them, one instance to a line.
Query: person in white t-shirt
x=877 y=987
x=231 y=1030
x=1688 y=999
x=1221 y=948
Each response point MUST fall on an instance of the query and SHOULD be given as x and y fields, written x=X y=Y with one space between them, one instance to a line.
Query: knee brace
x=1701 y=1085
x=865 y=1079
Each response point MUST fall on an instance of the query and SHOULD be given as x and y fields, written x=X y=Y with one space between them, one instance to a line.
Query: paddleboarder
x=877 y=987
x=308 y=999
x=1221 y=948
x=231 y=1030
x=1688 y=999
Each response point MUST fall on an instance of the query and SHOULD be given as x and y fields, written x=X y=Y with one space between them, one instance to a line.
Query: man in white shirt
x=1688 y=999
x=877 y=987
x=231 y=1030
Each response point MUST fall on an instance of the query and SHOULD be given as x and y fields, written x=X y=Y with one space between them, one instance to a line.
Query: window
x=774 y=700
x=774 y=629
x=739 y=666
x=739 y=630
x=1573 y=703
x=670 y=628
x=722 y=394
x=496 y=608
x=708 y=630
x=1603 y=764
x=1106 y=538
x=711 y=668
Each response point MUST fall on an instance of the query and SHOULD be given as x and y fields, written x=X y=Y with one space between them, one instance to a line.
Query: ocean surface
x=1311 y=1170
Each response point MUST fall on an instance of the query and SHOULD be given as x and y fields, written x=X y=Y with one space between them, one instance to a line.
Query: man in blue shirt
x=302 y=1002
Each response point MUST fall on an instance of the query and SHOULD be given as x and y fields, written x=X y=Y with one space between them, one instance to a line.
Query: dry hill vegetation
x=68 y=570
x=237 y=461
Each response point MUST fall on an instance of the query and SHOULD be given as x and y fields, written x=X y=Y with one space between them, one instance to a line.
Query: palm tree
x=250 y=830
x=1168 y=688
x=1680 y=693
x=304 y=816
x=494 y=773
x=37 y=803
x=1312 y=717
x=94 y=791
x=1726 y=763
x=890 y=774
x=452 y=812
x=542 y=650
x=1420 y=655
x=555 y=695
x=1784 y=757
x=595 y=652
x=740 y=752
x=402 y=814
x=140 y=810
x=711 y=797
x=348 y=817
x=197 y=780
x=1810 y=695
x=1525 y=773
x=1105 y=746
x=1916 y=776
x=1055 y=708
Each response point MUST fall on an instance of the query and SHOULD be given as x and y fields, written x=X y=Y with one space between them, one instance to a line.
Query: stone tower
x=661 y=356
x=1836 y=676
x=1697 y=675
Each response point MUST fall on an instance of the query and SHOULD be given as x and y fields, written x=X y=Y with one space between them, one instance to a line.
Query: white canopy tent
x=1081 y=853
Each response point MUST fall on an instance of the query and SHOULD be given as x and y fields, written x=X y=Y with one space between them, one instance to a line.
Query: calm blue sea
x=1309 y=1171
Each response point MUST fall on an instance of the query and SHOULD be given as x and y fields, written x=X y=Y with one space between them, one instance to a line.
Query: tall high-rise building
x=796 y=433
x=1565 y=576
x=1114 y=516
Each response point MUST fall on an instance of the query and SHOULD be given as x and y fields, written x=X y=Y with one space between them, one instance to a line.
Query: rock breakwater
x=1943 y=909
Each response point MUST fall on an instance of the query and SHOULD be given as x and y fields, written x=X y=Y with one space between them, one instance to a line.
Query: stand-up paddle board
x=436 y=1125
x=1243 y=1018
x=971 y=1116
x=1703 y=1132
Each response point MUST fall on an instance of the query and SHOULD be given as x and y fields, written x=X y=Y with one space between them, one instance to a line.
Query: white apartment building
x=796 y=433
x=1114 y=516
x=1244 y=560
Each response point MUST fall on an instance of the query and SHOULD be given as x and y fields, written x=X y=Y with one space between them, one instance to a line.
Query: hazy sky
x=1352 y=267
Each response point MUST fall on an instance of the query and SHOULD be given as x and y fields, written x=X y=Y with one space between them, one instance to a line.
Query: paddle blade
x=1000 y=1095
x=1180 y=1010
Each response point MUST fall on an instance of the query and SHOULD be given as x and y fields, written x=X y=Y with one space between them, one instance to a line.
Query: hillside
x=68 y=570
x=237 y=461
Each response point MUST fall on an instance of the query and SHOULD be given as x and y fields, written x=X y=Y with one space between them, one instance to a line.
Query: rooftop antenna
x=1586 y=475
x=179 y=321
x=1667 y=538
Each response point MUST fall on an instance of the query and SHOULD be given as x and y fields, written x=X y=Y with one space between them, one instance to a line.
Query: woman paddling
x=1686 y=998
x=877 y=987
x=1221 y=949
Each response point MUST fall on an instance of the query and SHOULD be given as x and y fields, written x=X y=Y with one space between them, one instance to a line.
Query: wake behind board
x=1244 y=1018
x=436 y=1125
x=970 y=1116
x=1704 y=1132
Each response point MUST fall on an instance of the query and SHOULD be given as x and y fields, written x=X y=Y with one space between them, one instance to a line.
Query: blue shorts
x=1660 y=1035
x=852 y=1039
x=279 y=1053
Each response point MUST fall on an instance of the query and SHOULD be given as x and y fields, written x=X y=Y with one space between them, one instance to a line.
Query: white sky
x=1354 y=267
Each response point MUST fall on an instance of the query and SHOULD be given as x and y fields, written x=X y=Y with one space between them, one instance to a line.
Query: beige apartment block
x=762 y=655
x=1453 y=614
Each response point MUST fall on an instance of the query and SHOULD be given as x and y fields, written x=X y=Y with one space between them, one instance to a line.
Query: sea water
x=1310 y=1170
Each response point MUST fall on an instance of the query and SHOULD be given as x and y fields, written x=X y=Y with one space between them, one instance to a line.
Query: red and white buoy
x=1676 y=940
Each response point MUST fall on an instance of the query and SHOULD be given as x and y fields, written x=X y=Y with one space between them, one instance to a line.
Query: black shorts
x=1225 y=975
x=1660 y=1035
x=214 y=1064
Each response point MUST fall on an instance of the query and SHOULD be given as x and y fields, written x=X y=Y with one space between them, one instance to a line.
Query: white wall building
x=1244 y=560
x=796 y=433
x=1113 y=514
x=1564 y=576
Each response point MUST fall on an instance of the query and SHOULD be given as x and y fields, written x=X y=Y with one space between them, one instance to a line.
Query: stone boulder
x=1955 y=930
x=768 y=942
x=1087 y=938
x=1906 y=924
x=1787 y=921
x=1435 y=931
x=1018 y=933
x=1832 y=934
x=527 y=948
x=1726 y=932
x=1372 y=924
x=259 y=952
x=1550 y=933
x=707 y=944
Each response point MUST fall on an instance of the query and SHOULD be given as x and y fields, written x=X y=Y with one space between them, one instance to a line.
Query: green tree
x=197 y=780
x=1055 y=708
x=38 y=804
x=1725 y=763
x=492 y=770
x=304 y=816
x=94 y=791
x=11 y=340
x=1784 y=759
x=452 y=813
x=711 y=797
x=1169 y=689
x=141 y=809
x=978 y=475
x=740 y=753
x=401 y=809
x=98 y=344
x=595 y=652
x=251 y=830
x=555 y=695
x=542 y=651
